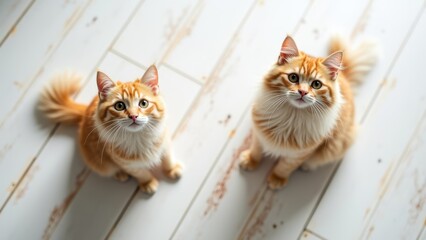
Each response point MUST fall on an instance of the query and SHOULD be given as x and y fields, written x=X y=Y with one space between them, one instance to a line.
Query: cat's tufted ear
x=334 y=64
x=105 y=84
x=150 y=78
x=288 y=50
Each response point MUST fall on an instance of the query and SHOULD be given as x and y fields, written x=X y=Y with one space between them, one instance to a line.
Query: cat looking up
x=122 y=131
x=303 y=114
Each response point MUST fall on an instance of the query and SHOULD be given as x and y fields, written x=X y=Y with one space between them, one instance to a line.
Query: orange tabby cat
x=122 y=131
x=304 y=112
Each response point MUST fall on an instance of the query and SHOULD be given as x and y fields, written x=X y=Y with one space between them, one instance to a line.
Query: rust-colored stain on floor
x=220 y=188
x=22 y=188
x=259 y=221
x=59 y=211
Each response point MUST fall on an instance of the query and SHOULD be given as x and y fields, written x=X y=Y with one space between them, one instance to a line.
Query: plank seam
x=392 y=172
x=44 y=61
x=128 y=59
x=183 y=74
x=371 y=103
x=315 y=234
x=56 y=126
x=224 y=54
x=394 y=61
x=8 y=34
x=28 y=167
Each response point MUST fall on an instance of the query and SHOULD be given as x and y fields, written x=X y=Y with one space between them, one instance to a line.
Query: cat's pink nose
x=302 y=92
x=133 y=117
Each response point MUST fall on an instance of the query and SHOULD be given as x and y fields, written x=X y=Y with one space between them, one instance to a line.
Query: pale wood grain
x=210 y=28
x=401 y=212
x=24 y=53
x=10 y=12
x=366 y=170
x=152 y=30
x=26 y=129
x=306 y=235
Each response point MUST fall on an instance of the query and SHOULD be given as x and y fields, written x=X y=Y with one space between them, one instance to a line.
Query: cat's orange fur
x=122 y=131
x=304 y=123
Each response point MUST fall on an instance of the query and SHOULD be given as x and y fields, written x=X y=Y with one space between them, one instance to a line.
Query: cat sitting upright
x=122 y=131
x=304 y=112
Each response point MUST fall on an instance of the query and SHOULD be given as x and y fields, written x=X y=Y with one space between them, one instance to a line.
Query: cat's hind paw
x=174 y=173
x=276 y=182
x=121 y=176
x=149 y=187
x=247 y=162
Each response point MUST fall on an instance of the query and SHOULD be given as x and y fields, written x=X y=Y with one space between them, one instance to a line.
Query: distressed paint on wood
x=153 y=30
x=10 y=13
x=23 y=54
x=401 y=212
x=372 y=155
x=34 y=131
x=211 y=28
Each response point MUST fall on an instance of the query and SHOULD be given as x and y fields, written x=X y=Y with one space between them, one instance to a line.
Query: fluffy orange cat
x=122 y=131
x=304 y=112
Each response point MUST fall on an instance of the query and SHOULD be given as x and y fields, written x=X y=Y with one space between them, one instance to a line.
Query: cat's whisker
x=94 y=128
x=106 y=141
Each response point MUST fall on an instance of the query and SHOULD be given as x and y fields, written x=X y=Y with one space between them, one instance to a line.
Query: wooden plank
x=390 y=33
x=151 y=31
x=210 y=125
x=93 y=35
x=210 y=29
x=10 y=12
x=88 y=219
x=306 y=235
x=422 y=234
x=24 y=53
x=401 y=213
x=364 y=175
x=41 y=189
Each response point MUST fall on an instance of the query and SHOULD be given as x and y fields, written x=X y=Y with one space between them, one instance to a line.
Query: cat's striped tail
x=358 y=61
x=56 y=99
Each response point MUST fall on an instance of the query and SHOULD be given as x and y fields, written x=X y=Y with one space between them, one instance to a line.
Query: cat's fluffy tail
x=358 y=61
x=56 y=99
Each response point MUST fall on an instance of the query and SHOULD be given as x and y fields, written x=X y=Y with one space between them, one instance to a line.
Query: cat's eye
x=316 y=84
x=143 y=103
x=119 y=106
x=293 y=77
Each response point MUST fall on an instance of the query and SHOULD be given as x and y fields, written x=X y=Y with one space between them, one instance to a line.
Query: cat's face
x=304 y=81
x=132 y=106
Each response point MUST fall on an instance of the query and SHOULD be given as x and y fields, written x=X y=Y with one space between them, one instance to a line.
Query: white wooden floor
x=211 y=55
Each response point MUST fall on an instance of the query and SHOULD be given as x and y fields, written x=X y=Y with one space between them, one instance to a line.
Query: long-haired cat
x=304 y=112
x=122 y=131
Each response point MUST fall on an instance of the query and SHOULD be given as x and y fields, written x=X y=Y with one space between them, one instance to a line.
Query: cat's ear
x=105 y=84
x=334 y=64
x=288 y=50
x=150 y=78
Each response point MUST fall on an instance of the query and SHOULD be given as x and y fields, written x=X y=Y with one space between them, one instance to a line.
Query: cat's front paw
x=149 y=187
x=121 y=176
x=276 y=182
x=247 y=162
x=174 y=173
